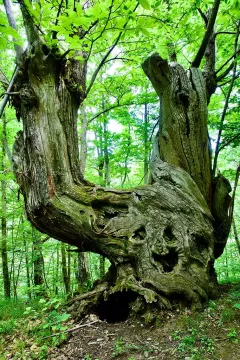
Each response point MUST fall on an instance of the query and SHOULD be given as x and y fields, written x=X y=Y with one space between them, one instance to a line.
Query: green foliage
x=7 y=326
x=193 y=342
x=52 y=319
x=38 y=322
x=145 y=4
x=227 y=315
x=233 y=336
x=7 y=33
x=236 y=299
x=11 y=309
x=237 y=306
x=87 y=357
x=119 y=347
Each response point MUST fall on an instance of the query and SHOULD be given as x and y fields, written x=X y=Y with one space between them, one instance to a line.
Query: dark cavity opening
x=200 y=242
x=184 y=99
x=45 y=49
x=140 y=234
x=168 y=261
x=168 y=234
x=117 y=307
x=179 y=300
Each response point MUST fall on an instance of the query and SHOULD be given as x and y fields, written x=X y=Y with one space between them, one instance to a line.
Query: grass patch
x=11 y=309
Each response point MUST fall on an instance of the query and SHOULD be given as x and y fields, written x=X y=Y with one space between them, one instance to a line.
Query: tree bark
x=161 y=239
x=38 y=265
x=83 y=274
x=66 y=279
x=4 y=250
x=56 y=272
x=83 y=139
x=101 y=266
x=183 y=136
x=126 y=156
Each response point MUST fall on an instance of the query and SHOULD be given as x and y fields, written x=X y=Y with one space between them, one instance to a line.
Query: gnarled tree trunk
x=162 y=238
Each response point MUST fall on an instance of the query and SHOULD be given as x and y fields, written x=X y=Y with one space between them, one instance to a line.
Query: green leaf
x=198 y=2
x=144 y=31
x=42 y=301
x=145 y=4
x=237 y=58
x=10 y=31
x=3 y=43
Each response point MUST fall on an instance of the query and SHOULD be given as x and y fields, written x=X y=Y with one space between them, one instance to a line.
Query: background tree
x=4 y=246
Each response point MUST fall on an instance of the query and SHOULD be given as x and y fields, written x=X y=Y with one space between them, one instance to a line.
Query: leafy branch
x=198 y=58
x=102 y=62
x=227 y=61
x=217 y=150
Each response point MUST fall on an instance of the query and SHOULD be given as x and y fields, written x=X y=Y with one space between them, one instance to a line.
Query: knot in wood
x=27 y=95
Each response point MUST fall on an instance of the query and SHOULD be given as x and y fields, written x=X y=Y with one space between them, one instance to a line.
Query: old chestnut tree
x=162 y=238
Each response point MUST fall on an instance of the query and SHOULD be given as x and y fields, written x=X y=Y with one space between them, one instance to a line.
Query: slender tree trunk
x=27 y=268
x=236 y=235
x=107 y=178
x=66 y=281
x=19 y=267
x=82 y=258
x=83 y=272
x=146 y=145
x=4 y=250
x=12 y=274
x=100 y=155
x=127 y=149
x=226 y=262
x=83 y=139
x=56 y=273
x=69 y=267
x=106 y=152
x=38 y=265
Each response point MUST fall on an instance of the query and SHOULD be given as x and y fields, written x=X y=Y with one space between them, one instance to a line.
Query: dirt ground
x=212 y=334
x=209 y=335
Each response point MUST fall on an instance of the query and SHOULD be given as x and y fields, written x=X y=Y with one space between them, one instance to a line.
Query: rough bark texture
x=38 y=265
x=83 y=272
x=160 y=238
x=183 y=136
x=66 y=278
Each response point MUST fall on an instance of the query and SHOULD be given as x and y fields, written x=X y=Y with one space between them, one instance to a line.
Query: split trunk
x=162 y=238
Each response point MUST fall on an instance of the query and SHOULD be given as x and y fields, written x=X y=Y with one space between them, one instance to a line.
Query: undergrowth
x=35 y=327
x=31 y=330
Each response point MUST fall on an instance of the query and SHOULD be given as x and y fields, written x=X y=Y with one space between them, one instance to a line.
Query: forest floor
x=212 y=334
